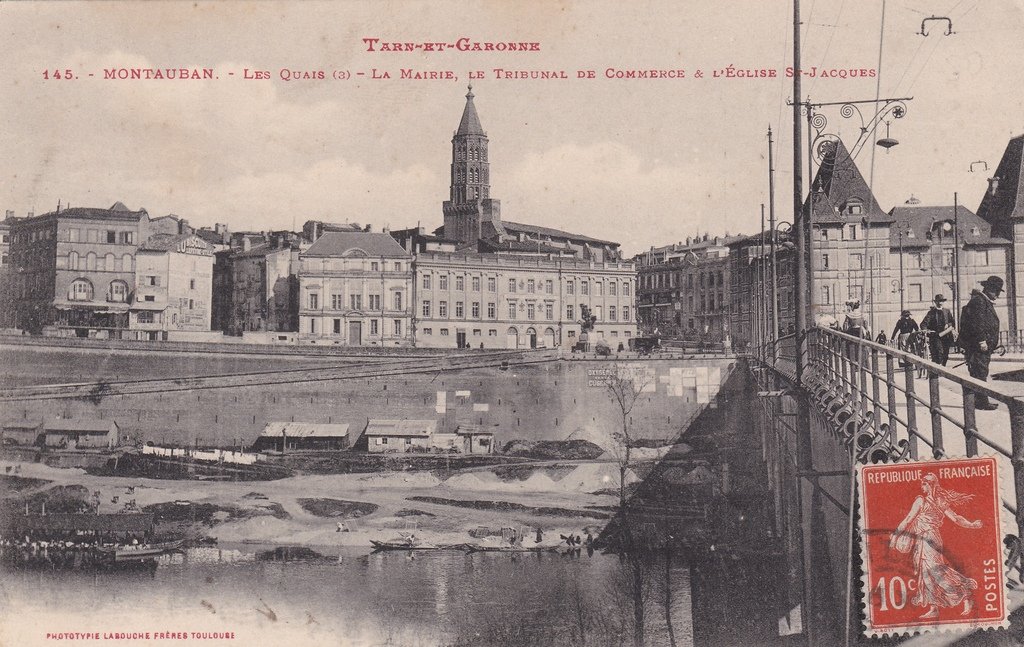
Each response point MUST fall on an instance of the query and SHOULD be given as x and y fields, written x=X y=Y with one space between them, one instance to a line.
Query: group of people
x=978 y=335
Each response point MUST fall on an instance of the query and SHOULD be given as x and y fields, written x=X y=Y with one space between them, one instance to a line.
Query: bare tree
x=624 y=388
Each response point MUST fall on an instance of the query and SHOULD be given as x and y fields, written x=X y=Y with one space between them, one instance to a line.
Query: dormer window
x=975 y=231
x=854 y=207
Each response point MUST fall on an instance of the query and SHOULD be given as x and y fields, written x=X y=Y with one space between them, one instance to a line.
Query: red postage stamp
x=932 y=545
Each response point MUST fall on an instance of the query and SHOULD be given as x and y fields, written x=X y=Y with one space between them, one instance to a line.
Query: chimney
x=10 y=213
x=993 y=185
x=688 y=241
x=386 y=230
x=705 y=238
x=31 y=214
x=183 y=227
x=246 y=244
x=366 y=228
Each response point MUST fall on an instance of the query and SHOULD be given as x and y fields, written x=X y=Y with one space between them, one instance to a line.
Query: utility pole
x=956 y=256
x=762 y=291
x=771 y=225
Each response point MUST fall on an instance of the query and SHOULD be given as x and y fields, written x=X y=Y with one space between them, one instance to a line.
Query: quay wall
x=553 y=400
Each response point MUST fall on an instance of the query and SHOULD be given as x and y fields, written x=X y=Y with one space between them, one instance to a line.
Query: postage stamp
x=932 y=546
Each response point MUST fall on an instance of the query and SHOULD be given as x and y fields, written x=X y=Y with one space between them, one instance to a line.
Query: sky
x=645 y=162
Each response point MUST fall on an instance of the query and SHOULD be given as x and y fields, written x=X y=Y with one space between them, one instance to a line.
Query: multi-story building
x=1002 y=207
x=355 y=289
x=683 y=290
x=485 y=282
x=6 y=276
x=895 y=260
x=510 y=301
x=173 y=290
x=750 y=275
x=256 y=283
x=75 y=269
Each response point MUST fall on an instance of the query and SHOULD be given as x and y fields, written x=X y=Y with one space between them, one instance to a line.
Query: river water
x=351 y=598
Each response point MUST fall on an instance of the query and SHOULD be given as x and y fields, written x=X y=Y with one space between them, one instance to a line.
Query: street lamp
x=901 y=226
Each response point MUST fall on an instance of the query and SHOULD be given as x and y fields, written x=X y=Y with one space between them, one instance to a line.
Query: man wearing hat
x=941 y=330
x=979 y=333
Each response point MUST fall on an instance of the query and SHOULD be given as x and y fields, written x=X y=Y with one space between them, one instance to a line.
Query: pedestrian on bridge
x=855 y=324
x=905 y=327
x=941 y=330
x=979 y=333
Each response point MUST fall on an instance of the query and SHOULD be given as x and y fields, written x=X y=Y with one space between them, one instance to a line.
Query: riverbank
x=306 y=510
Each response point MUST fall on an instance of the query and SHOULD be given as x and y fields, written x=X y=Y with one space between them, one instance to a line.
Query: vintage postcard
x=492 y=323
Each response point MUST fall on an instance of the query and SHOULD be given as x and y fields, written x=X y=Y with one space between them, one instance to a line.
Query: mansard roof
x=342 y=243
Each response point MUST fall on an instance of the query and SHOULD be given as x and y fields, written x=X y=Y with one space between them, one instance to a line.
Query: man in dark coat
x=905 y=327
x=979 y=333
x=939 y=324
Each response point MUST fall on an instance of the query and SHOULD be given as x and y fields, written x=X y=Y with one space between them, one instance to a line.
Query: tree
x=624 y=387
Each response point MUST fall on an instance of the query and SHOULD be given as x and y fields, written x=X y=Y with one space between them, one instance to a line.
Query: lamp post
x=901 y=226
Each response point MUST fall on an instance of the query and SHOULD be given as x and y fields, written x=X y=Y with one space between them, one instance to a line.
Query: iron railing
x=887 y=405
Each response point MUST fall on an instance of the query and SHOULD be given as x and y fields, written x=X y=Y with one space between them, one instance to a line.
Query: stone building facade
x=683 y=290
x=355 y=289
x=173 y=290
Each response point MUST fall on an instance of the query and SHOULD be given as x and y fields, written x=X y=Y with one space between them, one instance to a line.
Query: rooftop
x=417 y=428
x=304 y=430
x=81 y=425
x=356 y=243
x=923 y=219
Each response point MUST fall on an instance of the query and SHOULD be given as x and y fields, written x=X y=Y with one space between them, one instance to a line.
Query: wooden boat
x=143 y=551
x=402 y=544
x=475 y=548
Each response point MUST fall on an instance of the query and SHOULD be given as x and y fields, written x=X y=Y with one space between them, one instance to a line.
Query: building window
x=111 y=236
x=530 y=286
x=428 y=331
x=824 y=261
x=72 y=260
x=570 y=312
x=492 y=284
x=312 y=326
x=597 y=313
x=458 y=310
x=823 y=234
x=118 y=291
x=549 y=287
x=856 y=261
x=611 y=313
x=460 y=283
x=374 y=266
x=853 y=232
x=145 y=318
x=314 y=302
x=915 y=292
x=492 y=333
x=477 y=332
x=355 y=301
x=512 y=285
x=585 y=287
x=625 y=314
x=127 y=238
x=549 y=311
x=74 y=235
x=613 y=284
x=336 y=302
x=572 y=333
x=826 y=295
x=149 y=297
x=570 y=287
x=126 y=263
x=442 y=282
x=475 y=310
x=426 y=281
x=625 y=288
x=398 y=300
x=426 y=308
x=531 y=311
x=444 y=332
x=397 y=327
x=442 y=309
x=374 y=327
x=337 y=326
x=398 y=266
x=476 y=283
x=511 y=309
x=374 y=302
x=81 y=290
x=598 y=288
x=492 y=310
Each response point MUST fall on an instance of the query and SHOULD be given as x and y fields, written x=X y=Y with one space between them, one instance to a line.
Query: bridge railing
x=888 y=404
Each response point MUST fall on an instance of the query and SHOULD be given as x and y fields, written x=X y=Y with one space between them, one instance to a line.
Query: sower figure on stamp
x=939 y=584
x=941 y=330
x=979 y=333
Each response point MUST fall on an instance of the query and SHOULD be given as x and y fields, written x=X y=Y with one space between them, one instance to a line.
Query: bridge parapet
x=885 y=404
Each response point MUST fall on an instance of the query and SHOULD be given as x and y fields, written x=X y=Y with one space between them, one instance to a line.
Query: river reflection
x=352 y=598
